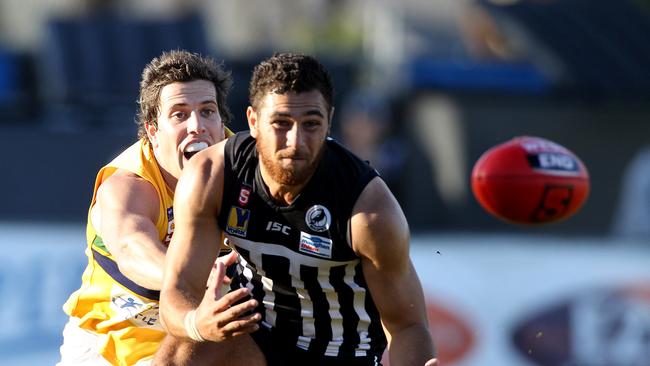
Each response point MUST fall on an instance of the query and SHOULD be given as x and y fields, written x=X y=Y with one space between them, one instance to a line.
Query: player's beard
x=291 y=175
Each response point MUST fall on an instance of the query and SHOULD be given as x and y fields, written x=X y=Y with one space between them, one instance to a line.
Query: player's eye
x=208 y=112
x=281 y=124
x=312 y=124
x=179 y=116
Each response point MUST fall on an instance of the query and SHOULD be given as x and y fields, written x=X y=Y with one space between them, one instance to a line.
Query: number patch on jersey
x=244 y=194
x=316 y=245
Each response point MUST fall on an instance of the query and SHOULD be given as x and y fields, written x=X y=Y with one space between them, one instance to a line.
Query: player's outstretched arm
x=380 y=236
x=124 y=215
x=191 y=255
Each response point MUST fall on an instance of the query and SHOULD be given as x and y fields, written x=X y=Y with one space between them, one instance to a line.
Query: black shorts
x=278 y=354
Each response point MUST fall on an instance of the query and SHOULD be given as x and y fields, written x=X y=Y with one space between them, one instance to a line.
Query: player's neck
x=281 y=194
x=168 y=177
x=285 y=198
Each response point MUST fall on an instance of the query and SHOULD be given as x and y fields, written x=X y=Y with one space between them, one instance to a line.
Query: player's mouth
x=292 y=155
x=193 y=148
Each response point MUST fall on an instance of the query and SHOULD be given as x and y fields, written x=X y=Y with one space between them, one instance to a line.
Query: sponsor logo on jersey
x=318 y=218
x=316 y=245
x=148 y=318
x=244 y=195
x=170 y=226
x=126 y=305
x=238 y=221
x=137 y=311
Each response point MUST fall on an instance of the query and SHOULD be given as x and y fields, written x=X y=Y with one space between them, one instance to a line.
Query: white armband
x=190 y=326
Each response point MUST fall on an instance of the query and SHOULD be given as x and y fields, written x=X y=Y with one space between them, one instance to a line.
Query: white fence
x=493 y=300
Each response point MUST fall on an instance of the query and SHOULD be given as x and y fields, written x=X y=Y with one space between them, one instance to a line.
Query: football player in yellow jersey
x=114 y=314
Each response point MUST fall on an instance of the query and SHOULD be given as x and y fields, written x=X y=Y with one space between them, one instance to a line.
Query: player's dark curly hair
x=290 y=72
x=179 y=66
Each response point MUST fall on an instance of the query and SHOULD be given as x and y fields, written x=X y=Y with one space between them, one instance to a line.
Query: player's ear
x=152 y=128
x=251 y=116
x=331 y=118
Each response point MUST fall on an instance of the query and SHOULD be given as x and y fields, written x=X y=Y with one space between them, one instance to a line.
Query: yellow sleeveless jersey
x=122 y=313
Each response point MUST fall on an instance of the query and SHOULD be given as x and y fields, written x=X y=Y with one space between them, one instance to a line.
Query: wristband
x=190 y=326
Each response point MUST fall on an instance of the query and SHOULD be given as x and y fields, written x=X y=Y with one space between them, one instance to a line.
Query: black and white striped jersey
x=297 y=259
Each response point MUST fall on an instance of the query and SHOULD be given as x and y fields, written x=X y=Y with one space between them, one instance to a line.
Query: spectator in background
x=366 y=123
x=632 y=217
x=114 y=315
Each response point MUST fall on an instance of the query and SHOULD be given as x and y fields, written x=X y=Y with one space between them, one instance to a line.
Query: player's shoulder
x=376 y=206
x=125 y=178
x=374 y=194
x=344 y=157
x=125 y=182
x=240 y=143
x=378 y=222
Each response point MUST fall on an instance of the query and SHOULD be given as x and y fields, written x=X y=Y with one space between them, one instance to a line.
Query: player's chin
x=294 y=164
x=182 y=162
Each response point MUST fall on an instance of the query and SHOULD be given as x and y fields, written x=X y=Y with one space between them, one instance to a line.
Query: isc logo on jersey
x=316 y=245
x=238 y=221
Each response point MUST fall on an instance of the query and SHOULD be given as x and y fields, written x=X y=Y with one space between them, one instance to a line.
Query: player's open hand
x=221 y=317
x=228 y=260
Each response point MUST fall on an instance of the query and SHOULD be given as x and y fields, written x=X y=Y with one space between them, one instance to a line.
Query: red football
x=530 y=180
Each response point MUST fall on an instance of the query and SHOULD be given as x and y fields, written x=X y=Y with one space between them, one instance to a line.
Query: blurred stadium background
x=423 y=88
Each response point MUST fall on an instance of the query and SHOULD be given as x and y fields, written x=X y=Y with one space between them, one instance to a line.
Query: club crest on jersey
x=238 y=221
x=244 y=194
x=316 y=245
x=318 y=218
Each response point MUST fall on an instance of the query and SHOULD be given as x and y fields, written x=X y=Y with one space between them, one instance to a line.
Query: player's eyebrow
x=311 y=112
x=205 y=102
x=314 y=112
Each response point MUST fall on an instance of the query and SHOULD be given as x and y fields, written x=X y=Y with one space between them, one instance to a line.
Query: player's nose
x=195 y=124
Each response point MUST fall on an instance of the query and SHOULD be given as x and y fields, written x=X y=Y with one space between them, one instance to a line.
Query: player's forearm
x=411 y=346
x=146 y=273
x=173 y=309
x=141 y=262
